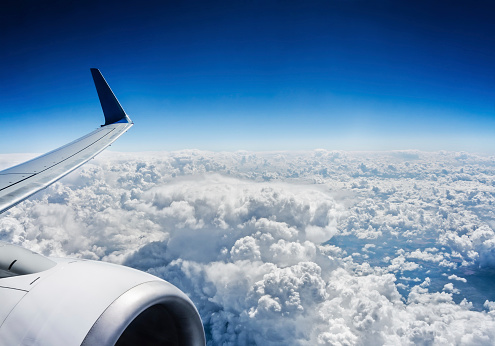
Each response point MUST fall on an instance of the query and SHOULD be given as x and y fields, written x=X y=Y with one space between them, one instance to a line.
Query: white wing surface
x=19 y=182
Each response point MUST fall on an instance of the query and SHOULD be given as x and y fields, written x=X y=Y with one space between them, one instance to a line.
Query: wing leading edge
x=20 y=182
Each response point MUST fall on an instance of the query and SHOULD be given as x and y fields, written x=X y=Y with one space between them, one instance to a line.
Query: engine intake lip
x=114 y=321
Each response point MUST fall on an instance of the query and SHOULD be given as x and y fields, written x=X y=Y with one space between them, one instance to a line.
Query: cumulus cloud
x=307 y=248
x=455 y=277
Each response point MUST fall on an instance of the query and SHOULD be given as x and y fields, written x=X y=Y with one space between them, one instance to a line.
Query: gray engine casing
x=51 y=301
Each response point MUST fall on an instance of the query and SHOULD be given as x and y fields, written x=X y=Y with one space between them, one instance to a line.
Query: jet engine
x=54 y=301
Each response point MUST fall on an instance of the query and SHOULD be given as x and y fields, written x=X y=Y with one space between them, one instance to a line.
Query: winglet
x=112 y=109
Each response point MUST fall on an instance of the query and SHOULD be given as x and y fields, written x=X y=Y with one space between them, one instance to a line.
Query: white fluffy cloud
x=289 y=248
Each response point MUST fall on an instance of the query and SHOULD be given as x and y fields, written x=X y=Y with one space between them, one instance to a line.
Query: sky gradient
x=233 y=75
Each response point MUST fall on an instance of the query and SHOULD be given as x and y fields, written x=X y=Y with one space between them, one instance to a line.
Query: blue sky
x=253 y=75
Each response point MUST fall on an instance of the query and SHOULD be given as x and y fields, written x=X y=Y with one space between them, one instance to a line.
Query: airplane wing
x=19 y=182
x=71 y=302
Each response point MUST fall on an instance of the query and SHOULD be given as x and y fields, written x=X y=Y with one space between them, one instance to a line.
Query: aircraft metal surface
x=54 y=301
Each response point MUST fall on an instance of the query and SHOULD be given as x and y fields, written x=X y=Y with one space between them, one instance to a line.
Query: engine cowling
x=82 y=302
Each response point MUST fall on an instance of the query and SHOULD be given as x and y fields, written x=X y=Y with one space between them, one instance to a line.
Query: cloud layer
x=302 y=248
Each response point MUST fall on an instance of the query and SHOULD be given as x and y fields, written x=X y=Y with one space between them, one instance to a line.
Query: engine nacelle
x=82 y=302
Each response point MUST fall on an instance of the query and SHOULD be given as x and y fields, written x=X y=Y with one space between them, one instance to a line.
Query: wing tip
x=112 y=110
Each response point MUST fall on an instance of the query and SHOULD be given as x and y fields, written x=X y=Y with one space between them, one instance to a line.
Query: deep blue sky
x=255 y=75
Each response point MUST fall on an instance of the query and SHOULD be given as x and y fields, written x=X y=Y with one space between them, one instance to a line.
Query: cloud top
x=290 y=248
